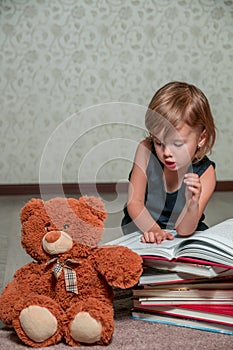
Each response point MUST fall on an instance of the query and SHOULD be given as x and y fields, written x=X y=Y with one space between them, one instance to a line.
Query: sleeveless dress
x=164 y=207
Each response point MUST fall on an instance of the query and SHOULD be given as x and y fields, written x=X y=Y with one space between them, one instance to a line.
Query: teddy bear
x=66 y=293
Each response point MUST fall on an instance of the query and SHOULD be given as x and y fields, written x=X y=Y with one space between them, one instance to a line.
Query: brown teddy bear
x=66 y=292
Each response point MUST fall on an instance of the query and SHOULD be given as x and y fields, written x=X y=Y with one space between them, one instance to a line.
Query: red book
x=183 y=312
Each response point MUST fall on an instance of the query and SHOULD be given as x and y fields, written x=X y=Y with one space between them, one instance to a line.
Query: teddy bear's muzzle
x=57 y=242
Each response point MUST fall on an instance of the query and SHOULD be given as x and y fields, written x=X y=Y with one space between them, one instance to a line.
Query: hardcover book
x=222 y=318
x=182 y=322
x=153 y=276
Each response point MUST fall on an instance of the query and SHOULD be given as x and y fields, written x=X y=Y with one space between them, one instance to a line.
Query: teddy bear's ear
x=95 y=205
x=30 y=207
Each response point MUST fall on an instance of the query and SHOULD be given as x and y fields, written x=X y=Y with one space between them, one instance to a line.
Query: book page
x=198 y=252
x=218 y=238
x=221 y=233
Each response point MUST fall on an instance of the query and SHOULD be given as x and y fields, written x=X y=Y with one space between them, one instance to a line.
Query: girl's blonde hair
x=179 y=103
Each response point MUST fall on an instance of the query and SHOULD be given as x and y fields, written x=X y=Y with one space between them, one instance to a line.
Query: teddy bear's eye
x=47 y=228
x=66 y=226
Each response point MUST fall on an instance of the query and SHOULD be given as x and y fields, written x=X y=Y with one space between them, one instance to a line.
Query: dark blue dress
x=164 y=207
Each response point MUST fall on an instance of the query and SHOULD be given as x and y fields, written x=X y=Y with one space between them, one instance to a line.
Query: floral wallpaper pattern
x=76 y=76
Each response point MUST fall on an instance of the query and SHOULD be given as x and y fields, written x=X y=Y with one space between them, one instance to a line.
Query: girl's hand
x=156 y=236
x=193 y=187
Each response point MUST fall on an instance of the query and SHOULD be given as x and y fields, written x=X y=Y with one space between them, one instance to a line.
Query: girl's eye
x=66 y=226
x=157 y=143
x=178 y=144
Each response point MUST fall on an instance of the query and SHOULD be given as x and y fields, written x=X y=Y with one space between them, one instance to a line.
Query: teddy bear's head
x=51 y=228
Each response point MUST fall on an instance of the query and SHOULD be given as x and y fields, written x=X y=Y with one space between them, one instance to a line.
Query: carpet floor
x=132 y=334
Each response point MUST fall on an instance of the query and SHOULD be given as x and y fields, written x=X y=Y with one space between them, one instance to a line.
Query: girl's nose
x=166 y=151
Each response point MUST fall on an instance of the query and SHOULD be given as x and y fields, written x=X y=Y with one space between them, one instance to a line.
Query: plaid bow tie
x=69 y=274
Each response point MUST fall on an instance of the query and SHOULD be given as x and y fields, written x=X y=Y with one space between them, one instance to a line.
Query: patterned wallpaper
x=76 y=76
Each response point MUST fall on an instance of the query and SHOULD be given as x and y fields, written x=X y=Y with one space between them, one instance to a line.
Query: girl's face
x=178 y=148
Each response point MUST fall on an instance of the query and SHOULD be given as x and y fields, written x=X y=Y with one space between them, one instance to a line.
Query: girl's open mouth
x=170 y=164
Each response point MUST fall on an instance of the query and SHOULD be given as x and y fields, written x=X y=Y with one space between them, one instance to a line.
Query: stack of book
x=187 y=281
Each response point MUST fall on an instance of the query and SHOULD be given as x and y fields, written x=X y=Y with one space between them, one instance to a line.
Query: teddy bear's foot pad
x=85 y=329
x=38 y=323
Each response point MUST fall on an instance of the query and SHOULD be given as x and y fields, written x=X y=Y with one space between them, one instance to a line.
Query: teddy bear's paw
x=38 y=323
x=85 y=329
x=89 y=321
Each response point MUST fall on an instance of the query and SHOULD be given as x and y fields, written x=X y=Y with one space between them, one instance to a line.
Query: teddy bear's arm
x=29 y=271
x=120 y=266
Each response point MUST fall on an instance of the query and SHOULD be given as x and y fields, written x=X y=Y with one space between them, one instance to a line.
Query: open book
x=214 y=245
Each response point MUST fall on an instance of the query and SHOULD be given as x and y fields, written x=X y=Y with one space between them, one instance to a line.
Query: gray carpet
x=132 y=334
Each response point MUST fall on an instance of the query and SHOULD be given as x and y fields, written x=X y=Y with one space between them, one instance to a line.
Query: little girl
x=172 y=179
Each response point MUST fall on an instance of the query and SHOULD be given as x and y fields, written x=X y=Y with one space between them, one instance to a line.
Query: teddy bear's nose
x=57 y=242
x=52 y=236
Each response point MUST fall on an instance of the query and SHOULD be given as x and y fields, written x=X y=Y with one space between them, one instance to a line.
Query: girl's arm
x=136 y=197
x=198 y=192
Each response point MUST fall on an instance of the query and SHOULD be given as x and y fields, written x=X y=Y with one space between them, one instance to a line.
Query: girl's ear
x=202 y=139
